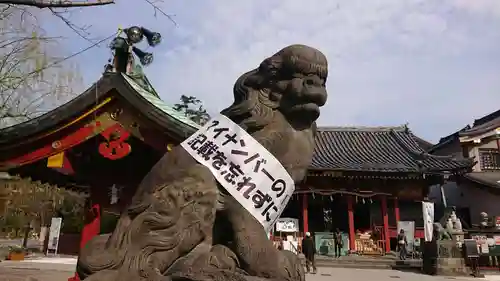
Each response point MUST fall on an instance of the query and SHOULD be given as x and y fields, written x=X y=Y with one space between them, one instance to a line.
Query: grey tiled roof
x=483 y=125
x=448 y=139
x=377 y=149
x=491 y=179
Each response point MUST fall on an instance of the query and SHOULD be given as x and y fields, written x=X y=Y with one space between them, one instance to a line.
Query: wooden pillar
x=396 y=210
x=386 y=223
x=92 y=226
x=350 y=210
x=305 y=215
x=90 y=230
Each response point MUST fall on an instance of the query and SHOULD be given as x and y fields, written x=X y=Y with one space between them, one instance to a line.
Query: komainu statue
x=183 y=225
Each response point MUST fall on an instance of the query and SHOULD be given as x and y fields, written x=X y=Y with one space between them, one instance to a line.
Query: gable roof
x=147 y=103
x=480 y=126
x=490 y=179
x=448 y=139
x=483 y=125
x=424 y=144
x=377 y=149
x=487 y=118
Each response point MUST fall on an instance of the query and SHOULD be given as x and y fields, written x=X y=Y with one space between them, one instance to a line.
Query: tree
x=57 y=4
x=33 y=79
x=59 y=7
x=193 y=109
x=26 y=202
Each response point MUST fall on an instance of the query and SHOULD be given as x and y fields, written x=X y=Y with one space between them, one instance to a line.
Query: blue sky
x=434 y=64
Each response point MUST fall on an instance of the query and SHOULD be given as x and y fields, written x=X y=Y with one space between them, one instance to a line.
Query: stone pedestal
x=450 y=259
x=458 y=237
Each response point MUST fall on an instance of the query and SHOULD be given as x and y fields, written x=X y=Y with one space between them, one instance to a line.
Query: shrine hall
x=363 y=180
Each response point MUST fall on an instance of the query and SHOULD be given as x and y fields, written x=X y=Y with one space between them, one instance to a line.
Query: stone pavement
x=32 y=274
x=43 y=269
x=329 y=274
x=60 y=272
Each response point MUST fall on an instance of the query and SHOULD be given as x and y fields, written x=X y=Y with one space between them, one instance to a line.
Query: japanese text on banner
x=428 y=215
x=250 y=173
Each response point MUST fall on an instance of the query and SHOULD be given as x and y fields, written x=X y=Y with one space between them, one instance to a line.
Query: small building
x=479 y=190
x=110 y=135
x=366 y=179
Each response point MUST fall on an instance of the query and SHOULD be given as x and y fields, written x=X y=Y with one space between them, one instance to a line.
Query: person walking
x=309 y=250
x=337 y=243
x=402 y=242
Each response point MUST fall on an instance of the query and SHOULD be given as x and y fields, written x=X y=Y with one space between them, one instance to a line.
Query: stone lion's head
x=291 y=82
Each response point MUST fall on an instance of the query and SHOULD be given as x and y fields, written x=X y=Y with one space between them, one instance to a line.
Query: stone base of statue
x=450 y=259
x=458 y=236
x=444 y=257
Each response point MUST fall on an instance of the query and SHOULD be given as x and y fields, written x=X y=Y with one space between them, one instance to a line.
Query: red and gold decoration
x=65 y=143
x=60 y=163
x=115 y=146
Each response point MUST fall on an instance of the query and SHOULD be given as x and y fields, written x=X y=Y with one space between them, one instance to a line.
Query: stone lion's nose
x=316 y=95
x=316 y=92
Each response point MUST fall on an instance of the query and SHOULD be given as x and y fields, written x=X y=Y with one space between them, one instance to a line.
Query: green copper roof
x=157 y=102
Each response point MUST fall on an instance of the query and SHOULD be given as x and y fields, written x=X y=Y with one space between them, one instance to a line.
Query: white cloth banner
x=251 y=174
x=428 y=215
x=287 y=225
x=55 y=231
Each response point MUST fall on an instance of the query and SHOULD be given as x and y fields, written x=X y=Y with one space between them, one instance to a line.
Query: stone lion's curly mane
x=252 y=108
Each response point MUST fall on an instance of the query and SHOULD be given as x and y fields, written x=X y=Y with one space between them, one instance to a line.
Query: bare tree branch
x=32 y=80
x=57 y=4
x=79 y=30
x=160 y=10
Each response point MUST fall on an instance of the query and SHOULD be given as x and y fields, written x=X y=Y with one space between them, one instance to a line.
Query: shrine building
x=107 y=138
x=366 y=180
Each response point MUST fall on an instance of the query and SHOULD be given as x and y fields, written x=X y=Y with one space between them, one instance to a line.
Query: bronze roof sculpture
x=181 y=225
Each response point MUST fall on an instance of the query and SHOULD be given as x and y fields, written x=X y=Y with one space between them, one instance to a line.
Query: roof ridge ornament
x=124 y=50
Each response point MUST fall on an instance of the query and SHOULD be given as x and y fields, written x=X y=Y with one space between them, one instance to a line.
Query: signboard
x=55 y=231
x=497 y=240
x=485 y=249
x=291 y=244
x=409 y=229
x=471 y=248
x=326 y=246
x=482 y=243
x=287 y=225
x=428 y=215
x=480 y=239
x=251 y=174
